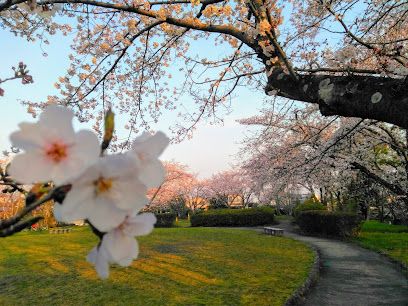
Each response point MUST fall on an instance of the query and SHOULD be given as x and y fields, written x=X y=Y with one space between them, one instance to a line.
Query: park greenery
x=328 y=223
x=388 y=239
x=177 y=266
x=329 y=147
x=234 y=217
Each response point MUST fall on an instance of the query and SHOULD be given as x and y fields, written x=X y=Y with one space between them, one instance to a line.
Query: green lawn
x=182 y=223
x=283 y=218
x=391 y=240
x=177 y=266
x=377 y=226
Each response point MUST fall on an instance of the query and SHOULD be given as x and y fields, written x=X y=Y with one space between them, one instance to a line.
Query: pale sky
x=212 y=149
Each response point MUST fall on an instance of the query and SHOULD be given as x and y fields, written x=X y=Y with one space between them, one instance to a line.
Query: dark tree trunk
x=363 y=96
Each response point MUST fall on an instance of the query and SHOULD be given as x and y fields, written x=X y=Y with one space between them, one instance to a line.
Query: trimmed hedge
x=329 y=223
x=310 y=204
x=165 y=219
x=234 y=217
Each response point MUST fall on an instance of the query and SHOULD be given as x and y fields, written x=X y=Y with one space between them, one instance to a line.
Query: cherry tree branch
x=18 y=227
x=364 y=96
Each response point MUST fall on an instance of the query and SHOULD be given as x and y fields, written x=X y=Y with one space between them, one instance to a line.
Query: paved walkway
x=353 y=276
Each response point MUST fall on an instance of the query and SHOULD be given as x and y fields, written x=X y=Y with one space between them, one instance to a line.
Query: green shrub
x=310 y=204
x=234 y=217
x=165 y=219
x=321 y=222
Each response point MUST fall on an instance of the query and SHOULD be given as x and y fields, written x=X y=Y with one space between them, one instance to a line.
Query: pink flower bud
x=27 y=79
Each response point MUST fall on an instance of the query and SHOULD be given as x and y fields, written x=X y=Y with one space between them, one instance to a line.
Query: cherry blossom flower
x=119 y=246
x=53 y=150
x=147 y=148
x=105 y=193
x=44 y=11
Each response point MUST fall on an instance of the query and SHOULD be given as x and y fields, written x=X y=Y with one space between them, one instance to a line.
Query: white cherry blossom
x=119 y=246
x=53 y=151
x=105 y=193
x=147 y=148
x=44 y=11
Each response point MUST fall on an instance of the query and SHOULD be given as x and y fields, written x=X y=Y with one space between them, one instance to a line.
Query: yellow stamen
x=57 y=152
x=103 y=185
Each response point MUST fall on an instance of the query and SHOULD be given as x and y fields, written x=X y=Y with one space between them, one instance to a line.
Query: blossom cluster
x=20 y=72
x=106 y=190
x=44 y=10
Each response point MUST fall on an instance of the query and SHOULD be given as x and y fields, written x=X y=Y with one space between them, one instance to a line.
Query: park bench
x=273 y=231
x=59 y=230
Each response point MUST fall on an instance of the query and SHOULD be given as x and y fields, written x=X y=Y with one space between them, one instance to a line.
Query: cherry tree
x=177 y=183
x=197 y=194
x=299 y=149
x=231 y=185
x=10 y=204
x=11 y=194
x=347 y=57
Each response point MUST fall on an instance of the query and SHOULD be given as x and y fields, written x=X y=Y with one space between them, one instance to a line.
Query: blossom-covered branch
x=20 y=72
x=108 y=191
x=357 y=73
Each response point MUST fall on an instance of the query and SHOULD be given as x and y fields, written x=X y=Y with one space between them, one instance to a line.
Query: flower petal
x=152 y=146
x=105 y=216
x=30 y=167
x=86 y=148
x=91 y=257
x=121 y=248
x=152 y=173
x=119 y=165
x=58 y=118
x=78 y=204
x=126 y=262
x=130 y=194
x=98 y=258
x=30 y=136
x=140 y=225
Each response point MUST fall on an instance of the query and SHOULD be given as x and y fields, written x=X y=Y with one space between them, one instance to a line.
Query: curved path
x=353 y=276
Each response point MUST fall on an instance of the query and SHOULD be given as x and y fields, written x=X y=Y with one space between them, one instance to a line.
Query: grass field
x=177 y=266
x=182 y=223
x=391 y=240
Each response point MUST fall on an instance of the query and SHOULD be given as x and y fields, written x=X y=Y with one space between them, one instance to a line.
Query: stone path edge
x=298 y=297
x=302 y=293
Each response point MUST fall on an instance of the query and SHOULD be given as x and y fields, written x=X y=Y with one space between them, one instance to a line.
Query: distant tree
x=231 y=185
x=178 y=205
x=198 y=194
x=297 y=149
x=218 y=201
x=177 y=183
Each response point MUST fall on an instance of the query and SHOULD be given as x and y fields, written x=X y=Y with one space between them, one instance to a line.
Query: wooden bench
x=273 y=231
x=59 y=230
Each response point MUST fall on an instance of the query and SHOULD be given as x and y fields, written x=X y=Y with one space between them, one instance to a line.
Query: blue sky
x=212 y=148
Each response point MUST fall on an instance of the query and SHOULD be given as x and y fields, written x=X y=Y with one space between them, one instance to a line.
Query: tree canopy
x=348 y=57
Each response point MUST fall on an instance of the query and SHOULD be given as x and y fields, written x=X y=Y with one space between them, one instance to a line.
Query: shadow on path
x=353 y=276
